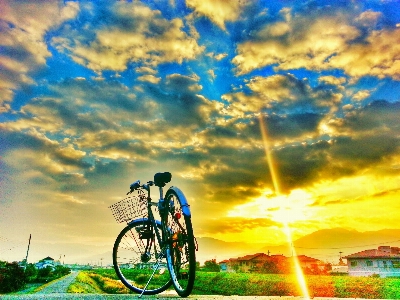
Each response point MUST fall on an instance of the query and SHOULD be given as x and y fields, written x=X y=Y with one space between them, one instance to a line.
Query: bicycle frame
x=169 y=237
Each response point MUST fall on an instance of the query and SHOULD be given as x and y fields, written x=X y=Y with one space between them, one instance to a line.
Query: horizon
x=97 y=258
x=266 y=114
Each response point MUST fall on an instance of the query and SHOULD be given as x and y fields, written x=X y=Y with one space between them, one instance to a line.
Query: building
x=47 y=262
x=249 y=263
x=261 y=262
x=311 y=264
x=384 y=261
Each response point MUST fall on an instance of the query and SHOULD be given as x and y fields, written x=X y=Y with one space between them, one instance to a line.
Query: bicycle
x=146 y=248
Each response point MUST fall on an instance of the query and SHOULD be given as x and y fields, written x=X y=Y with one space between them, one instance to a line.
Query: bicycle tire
x=181 y=250
x=134 y=265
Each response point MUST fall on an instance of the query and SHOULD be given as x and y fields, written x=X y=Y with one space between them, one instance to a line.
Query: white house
x=384 y=261
x=47 y=262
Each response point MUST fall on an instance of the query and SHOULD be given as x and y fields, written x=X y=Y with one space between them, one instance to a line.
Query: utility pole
x=27 y=251
x=341 y=263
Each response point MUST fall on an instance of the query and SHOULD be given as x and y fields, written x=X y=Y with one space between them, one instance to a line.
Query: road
x=160 y=297
x=59 y=286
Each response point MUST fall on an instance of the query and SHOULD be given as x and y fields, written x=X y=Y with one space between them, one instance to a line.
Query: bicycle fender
x=183 y=200
x=143 y=220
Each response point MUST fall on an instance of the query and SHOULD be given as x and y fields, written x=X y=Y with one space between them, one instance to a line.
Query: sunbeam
x=275 y=180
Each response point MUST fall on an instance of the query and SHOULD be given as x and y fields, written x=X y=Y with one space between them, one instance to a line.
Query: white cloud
x=22 y=29
x=218 y=11
x=150 y=40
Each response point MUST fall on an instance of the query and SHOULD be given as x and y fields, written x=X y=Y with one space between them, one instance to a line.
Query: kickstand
x=156 y=266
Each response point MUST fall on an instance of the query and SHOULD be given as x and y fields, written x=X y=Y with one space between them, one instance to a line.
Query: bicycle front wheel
x=181 y=252
x=138 y=259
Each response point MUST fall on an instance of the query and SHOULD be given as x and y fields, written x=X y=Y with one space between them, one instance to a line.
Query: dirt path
x=60 y=286
x=158 y=297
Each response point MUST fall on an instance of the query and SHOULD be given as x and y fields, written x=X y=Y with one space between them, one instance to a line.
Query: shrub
x=12 y=277
x=211 y=266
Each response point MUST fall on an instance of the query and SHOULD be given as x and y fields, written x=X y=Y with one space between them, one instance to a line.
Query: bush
x=31 y=272
x=48 y=274
x=211 y=266
x=12 y=277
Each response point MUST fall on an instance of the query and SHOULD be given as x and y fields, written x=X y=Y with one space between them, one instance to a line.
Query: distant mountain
x=322 y=244
x=325 y=244
x=210 y=248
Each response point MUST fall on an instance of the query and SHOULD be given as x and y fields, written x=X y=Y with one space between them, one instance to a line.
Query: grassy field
x=246 y=284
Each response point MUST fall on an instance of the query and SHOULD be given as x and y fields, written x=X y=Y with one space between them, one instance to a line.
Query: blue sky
x=95 y=95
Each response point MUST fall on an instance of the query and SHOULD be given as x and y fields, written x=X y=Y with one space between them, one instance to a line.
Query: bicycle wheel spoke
x=138 y=262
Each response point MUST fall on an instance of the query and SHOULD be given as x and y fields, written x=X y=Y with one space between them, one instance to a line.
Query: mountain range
x=327 y=245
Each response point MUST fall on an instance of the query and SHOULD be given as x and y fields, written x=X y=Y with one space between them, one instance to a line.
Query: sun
x=285 y=209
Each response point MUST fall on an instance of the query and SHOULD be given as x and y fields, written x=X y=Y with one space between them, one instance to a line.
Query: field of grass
x=247 y=284
x=88 y=282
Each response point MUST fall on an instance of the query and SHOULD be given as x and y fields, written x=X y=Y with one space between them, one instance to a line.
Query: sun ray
x=275 y=180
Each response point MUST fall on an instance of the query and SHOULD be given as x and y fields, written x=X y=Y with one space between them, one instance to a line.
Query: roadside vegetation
x=14 y=277
x=209 y=281
x=252 y=284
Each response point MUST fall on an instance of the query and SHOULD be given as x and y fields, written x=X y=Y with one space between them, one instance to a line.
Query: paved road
x=160 y=297
x=60 y=286
x=58 y=290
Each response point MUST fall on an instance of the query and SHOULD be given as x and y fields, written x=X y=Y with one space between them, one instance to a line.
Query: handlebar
x=136 y=185
x=160 y=179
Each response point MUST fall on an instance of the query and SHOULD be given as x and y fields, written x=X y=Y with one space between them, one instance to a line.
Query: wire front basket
x=132 y=207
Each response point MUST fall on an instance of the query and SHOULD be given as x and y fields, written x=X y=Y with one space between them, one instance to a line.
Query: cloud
x=24 y=50
x=134 y=34
x=218 y=11
x=377 y=56
x=331 y=40
x=281 y=94
x=234 y=225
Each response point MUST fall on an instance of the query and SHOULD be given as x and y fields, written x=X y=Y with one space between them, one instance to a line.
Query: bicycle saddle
x=160 y=179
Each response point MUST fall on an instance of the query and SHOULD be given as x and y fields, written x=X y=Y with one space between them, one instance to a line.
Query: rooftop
x=381 y=252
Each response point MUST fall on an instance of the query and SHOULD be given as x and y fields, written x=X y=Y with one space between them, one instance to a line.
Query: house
x=261 y=262
x=47 y=262
x=223 y=265
x=310 y=263
x=250 y=263
x=384 y=261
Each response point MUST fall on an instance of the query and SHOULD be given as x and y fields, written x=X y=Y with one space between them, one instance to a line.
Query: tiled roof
x=47 y=258
x=372 y=253
x=304 y=258
x=251 y=257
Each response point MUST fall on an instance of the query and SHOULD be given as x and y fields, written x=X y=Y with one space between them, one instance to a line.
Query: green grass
x=249 y=284
x=84 y=284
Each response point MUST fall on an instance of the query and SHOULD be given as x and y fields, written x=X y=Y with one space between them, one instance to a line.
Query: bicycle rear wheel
x=181 y=252
x=138 y=259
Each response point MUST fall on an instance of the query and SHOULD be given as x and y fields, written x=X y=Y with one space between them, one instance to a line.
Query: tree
x=211 y=266
x=60 y=271
x=31 y=272
x=12 y=277
x=44 y=274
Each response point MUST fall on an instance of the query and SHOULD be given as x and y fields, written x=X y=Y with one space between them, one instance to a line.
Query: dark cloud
x=180 y=103
x=379 y=115
x=298 y=165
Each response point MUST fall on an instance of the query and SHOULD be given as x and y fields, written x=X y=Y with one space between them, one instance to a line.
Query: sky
x=97 y=94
